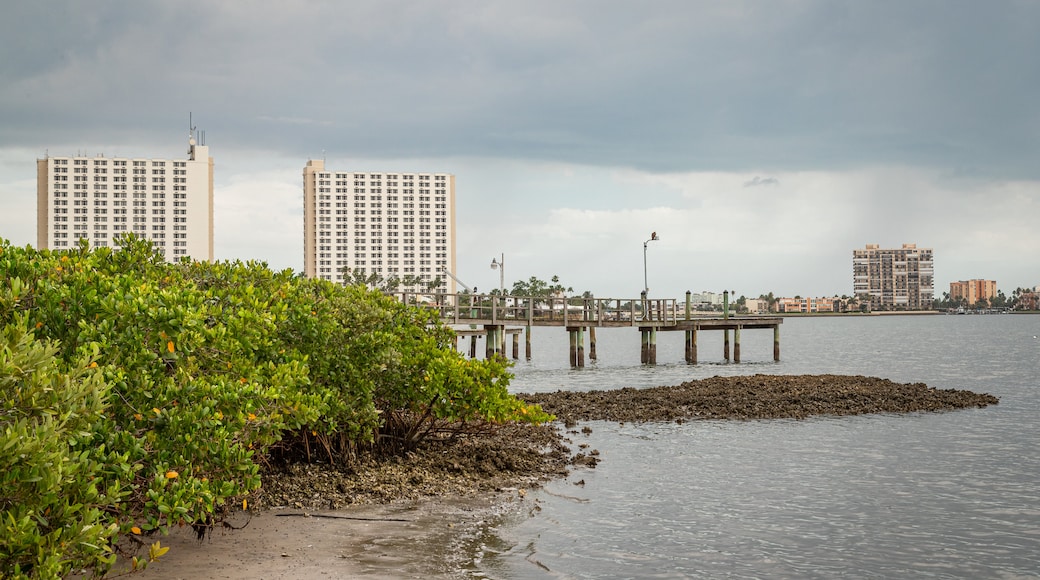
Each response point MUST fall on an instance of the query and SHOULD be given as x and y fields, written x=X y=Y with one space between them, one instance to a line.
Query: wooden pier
x=493 y=313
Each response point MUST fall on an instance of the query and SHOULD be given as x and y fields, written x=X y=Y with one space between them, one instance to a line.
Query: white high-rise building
x=395 y=225
x=168 y=201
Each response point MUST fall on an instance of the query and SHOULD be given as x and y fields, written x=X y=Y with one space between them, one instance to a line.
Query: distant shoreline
x=876 y=313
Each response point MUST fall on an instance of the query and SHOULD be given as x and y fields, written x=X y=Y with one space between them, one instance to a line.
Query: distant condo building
x=808 y=305
x=972 y=291
x=395 y=225
x=168 y=201
x=894 y=279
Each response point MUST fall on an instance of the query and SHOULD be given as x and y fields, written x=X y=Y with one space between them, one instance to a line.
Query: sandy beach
x=425 y=539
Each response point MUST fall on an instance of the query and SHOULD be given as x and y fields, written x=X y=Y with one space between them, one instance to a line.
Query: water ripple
x=946 y=495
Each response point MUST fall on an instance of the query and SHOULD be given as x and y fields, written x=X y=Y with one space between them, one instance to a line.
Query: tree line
x=136 y=395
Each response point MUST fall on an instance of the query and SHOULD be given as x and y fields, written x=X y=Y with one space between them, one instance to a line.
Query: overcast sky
x=762 y=141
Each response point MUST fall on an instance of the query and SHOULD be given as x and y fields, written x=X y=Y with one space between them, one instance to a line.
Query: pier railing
x=578 y=314
x=546 y=311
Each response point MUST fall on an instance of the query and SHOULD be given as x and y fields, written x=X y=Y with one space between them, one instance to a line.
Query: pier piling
x=581 y=346
x=691 y=347
x=527 y=343
x=577 y=346
x=776 y=343
x=648 y=345
x=495 y=339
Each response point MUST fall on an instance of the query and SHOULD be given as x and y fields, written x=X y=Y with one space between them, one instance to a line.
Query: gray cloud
x=759 y=181
x=884 y=122
x=676 y=86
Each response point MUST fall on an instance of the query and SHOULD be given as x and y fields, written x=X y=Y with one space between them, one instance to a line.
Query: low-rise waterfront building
x=756 y=306
x=808 y=305
x=707 y=298
x=1028 y=300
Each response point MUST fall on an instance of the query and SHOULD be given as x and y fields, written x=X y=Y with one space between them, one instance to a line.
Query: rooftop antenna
x=191 y=136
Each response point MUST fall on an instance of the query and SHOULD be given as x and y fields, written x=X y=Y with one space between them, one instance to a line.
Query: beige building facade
x=808 y=305
x=168 y=201
x=972 y=291
x=894 y=279
x=395 y=225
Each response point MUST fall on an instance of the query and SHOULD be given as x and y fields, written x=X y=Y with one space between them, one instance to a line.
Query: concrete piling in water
x=653 y=346
x=736 y=344
x=516 y=346
x=592 y=343
x=725 y=344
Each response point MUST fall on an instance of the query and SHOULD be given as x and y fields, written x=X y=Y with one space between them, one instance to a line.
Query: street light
x=500 y=265
x=653 y=238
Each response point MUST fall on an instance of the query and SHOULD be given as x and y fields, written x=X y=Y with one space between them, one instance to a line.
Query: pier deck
x=577 y=314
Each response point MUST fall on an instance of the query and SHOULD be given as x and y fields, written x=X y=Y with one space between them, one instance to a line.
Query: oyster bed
x=514 y=456
x=757 y=397
x=521 y=456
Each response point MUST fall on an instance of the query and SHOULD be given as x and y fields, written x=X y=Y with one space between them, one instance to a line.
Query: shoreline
x=422 y=514
x=429 y=538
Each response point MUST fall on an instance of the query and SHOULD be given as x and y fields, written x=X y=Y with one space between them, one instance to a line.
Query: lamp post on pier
x=646 y=286
x=500 y=265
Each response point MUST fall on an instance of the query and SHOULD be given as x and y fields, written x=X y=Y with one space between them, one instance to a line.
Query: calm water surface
x=947 y=495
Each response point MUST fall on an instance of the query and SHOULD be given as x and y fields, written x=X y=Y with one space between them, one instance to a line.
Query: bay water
x=924 y=495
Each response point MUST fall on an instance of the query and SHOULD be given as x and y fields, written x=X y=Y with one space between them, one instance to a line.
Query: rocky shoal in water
x=756 y=397
x=519 y=456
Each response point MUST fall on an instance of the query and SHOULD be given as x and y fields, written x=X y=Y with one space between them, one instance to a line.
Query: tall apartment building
x=168 y=201
x=395 y=225
x=972 y=291
x=894 y=279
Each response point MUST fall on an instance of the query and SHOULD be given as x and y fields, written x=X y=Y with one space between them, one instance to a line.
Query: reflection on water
x=948 y=495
